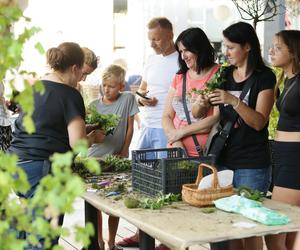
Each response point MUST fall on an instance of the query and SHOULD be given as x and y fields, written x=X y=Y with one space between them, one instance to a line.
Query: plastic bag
x=252 y=210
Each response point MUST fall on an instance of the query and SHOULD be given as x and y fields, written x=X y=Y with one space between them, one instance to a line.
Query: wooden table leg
x=91 y=214
x=146 y=241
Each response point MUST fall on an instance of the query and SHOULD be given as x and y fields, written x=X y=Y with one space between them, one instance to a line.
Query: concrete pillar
x=270 y=28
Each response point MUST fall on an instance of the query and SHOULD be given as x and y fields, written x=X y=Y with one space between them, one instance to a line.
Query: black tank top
x=289 y=119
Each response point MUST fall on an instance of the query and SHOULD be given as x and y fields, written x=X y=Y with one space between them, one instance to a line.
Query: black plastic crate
x=166 y=174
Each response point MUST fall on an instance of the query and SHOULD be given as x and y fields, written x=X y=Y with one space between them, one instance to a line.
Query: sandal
x=128 y=242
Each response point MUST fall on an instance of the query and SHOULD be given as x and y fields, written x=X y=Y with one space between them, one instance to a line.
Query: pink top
x=180 y=117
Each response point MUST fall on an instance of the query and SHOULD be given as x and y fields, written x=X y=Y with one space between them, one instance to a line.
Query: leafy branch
x=215 y=82
x=106 y=122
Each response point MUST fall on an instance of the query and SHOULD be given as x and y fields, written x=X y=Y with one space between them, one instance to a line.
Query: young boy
x=123 y=104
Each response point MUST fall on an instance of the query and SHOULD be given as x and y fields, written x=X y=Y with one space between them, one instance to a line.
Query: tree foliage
x=58 y=190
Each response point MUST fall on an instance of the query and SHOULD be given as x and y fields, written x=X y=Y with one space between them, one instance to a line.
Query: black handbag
x=219 y=134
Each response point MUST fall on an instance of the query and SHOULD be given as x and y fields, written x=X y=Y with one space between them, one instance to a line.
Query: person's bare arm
x=77 y=131
x=169 y=113
x=128 y=137
x=202 y=126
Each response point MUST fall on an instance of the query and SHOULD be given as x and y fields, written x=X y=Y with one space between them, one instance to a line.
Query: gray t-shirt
x=124 y=106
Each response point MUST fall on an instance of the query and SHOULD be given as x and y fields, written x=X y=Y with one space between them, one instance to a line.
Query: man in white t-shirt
x=159 y=72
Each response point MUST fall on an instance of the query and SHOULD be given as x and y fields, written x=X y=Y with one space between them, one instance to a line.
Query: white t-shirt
x=158 y=73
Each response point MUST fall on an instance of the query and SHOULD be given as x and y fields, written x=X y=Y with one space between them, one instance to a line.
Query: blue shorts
x=256 y=178
x=151 y=138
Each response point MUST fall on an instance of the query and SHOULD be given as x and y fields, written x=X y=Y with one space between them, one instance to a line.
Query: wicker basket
x=202 y=198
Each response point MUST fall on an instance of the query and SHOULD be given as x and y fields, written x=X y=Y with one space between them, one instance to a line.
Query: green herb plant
x=81 y=166
x=106 y=122
x=186 y=164
x=160 y=201
x=117 y=164
x=215 y=82
x=250 y=193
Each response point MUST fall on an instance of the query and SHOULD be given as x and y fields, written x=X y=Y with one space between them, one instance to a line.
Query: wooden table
x=180 y=226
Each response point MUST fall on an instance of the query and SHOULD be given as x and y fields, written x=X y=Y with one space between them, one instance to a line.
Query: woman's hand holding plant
x=220 y=96
x=200 y=106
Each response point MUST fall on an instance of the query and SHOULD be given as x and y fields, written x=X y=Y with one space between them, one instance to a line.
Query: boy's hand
x=97 y=136
x=90 y=127
x=123 y=154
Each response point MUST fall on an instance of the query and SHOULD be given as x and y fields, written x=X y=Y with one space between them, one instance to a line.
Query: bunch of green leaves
x=250 y=193
x=55 y=195
x=117 y=164
x=11 y=50
x=160 y=201
x=215 y=82
x=185 y=164
x=82 y=165
x=106 y=122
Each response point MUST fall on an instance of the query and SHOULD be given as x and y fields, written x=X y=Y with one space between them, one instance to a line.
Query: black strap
x=228 y=125
x=288 y=90
x=187 y=114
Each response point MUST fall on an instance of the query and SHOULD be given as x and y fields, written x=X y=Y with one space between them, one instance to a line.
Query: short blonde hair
x=114 y=71
x=163 y=22
x=90 y=58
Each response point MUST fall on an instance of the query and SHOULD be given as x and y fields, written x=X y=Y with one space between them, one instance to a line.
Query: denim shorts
x=256 y=178
x=151 y=138
x=35 y=171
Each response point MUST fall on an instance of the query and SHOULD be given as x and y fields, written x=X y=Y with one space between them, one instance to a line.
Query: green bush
x=274 y=113
x=56 y=192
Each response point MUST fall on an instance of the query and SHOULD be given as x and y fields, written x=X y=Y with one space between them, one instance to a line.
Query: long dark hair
x=195 y=41
x=291 y=39
x=243 y=33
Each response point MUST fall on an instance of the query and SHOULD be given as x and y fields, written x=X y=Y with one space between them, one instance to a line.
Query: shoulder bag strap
x=224 y=133
x=197 y=145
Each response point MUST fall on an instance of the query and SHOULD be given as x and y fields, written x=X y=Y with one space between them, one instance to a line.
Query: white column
x=271 y=28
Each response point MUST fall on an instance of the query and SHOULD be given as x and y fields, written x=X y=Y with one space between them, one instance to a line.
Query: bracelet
x=238 y=103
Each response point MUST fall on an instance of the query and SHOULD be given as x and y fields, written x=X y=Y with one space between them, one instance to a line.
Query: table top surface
x=180 y=225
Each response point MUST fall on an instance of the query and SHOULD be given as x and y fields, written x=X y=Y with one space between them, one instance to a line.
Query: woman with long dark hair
x=197 y=64
x=246 y=151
